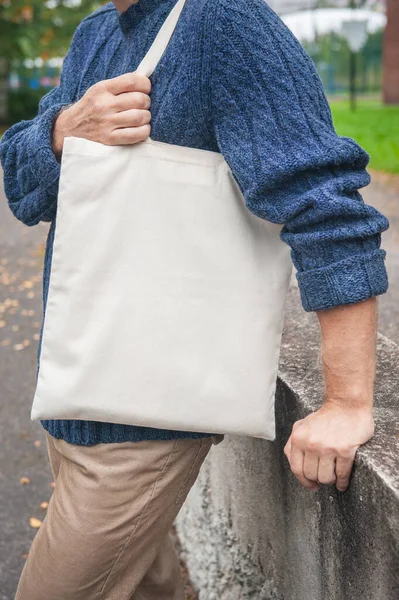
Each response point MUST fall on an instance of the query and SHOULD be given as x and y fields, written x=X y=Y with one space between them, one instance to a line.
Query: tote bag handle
x=159 y=45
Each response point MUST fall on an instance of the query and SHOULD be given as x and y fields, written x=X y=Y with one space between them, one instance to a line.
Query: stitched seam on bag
x=143 y=513
x=179 y=162
x=182 y=162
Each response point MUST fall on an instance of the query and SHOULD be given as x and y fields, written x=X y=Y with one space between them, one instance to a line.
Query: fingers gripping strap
x=159 y=45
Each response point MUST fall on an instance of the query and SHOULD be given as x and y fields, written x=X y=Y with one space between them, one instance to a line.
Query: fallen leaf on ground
x=26 y=343
x=36 y=336
x=38 y=443
x=2 y=324
x=6 y=342
x=35 y=523
x=15 y=327
x=26 y=556
x=24 y=480
x=52 y=484
x=19 y=347
x=44 y=505
x=27 y=284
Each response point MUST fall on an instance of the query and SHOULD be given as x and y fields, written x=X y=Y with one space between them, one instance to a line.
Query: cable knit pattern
x=233 y=80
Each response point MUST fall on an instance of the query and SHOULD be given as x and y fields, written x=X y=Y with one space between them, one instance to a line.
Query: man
x=233 y=80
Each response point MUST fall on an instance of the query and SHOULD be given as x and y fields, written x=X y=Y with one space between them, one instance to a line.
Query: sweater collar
x=136 y=12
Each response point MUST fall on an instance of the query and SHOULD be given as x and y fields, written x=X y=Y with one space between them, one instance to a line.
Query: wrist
x=354 y=401
x=59 y=132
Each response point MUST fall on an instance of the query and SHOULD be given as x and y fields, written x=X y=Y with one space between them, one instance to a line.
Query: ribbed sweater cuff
x=43 y=161
x=348 y=281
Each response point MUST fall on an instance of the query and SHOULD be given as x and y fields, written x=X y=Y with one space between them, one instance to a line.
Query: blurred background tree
x=391 y=54
x=34 y=30
x=31 y=28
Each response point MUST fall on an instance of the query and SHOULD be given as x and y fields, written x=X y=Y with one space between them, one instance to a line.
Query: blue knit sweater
x=233 y=80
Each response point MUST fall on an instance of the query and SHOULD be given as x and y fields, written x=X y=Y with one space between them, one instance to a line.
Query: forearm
x=349 y=353
x=58 y=134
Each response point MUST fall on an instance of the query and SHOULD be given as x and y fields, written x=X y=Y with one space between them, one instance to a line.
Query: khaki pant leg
x=109 y=515
x=163 y=579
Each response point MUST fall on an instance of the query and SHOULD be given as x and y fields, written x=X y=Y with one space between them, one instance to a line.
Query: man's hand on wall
x=322 y=447
x=113 y=112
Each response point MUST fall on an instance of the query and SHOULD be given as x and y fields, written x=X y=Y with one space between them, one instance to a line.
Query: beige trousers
x=106 y=534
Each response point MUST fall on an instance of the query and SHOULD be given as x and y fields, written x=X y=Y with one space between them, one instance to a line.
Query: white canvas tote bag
x=166 y=298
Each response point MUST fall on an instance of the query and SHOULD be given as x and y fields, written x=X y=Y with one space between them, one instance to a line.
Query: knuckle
x=345 y=452
x=297 y=438
x=97 y=88
x=141 y=117
x=110 y=138
x=342 y=475
x=98 y=104
x=146 y=101
x=141 y=133
x=296 y=471
x=327 y=451
x=93 y=90
x=312 y=445
x=145 y=117
x=141 y=82
x=141 y=101
x=326 y=480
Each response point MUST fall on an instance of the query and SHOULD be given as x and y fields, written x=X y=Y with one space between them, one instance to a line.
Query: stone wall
x=250 y=531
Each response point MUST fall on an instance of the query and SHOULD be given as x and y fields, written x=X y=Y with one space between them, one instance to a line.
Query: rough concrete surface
x=250 y=531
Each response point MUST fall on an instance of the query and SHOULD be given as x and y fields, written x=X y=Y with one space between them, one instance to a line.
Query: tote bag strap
x=159 y=45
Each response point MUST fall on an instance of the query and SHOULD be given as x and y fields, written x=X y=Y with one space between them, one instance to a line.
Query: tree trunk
x=4 y=90
x=391 y=54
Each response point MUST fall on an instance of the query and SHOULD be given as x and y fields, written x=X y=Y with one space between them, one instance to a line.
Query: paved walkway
x=23 y=450
x=383 y=193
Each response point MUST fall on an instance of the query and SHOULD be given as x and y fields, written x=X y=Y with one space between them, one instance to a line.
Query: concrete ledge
x=250 y=531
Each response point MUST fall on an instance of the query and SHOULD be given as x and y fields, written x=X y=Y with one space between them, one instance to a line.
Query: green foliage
x=33 y=28
x=24 y=104
x=375 y=127
x=330 y=54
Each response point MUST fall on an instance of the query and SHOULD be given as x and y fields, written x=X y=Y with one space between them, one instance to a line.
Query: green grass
x=375 y=127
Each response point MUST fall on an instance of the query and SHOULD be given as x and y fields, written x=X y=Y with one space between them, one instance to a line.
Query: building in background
x=287 y=6
x=322 y=28
x=391 y=54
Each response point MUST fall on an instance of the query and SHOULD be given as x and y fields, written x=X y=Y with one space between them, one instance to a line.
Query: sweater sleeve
x=31 y=171
x=274 y=127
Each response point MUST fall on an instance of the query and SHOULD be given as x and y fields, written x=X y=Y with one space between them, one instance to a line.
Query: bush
x=23 y=103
